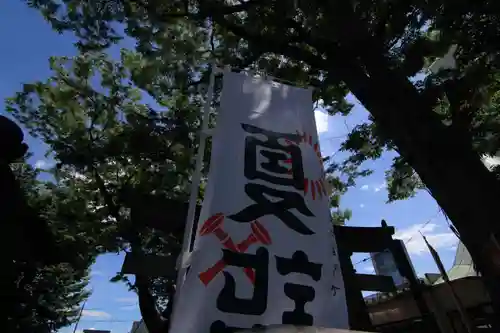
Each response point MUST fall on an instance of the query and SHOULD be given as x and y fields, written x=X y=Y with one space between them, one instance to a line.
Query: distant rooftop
x=462 y=265
x=462 y=256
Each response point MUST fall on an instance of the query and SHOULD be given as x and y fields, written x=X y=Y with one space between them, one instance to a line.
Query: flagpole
x=79 y=316
x=460 y=307
x=463 y=315
x=195 y=183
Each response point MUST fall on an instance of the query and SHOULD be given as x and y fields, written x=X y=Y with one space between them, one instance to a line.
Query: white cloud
x=321 y=121
x=130 y=303
x=40 y=164
x=415 y=243
x=96 y=273
x=362 y=206
x=96 y=314
x=365 y=188
x=126 y=300
x=380 y=187
x=129 y=307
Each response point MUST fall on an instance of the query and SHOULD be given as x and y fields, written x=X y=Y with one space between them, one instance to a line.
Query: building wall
x=470 y=291
x=384 y=264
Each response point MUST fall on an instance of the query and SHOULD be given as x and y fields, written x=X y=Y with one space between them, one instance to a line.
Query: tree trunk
x=147 y=305
x=443 y=158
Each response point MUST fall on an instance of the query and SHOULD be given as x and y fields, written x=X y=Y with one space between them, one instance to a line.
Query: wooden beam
x=364 y=239
x=149 y=265
x=162 y=214
x=381 y=283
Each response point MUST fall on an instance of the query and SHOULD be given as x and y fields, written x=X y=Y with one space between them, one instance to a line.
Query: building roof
x=462 y=256
x=462 y=265
x=458 y=272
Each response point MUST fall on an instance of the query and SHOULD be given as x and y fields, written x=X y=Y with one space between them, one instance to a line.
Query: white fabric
x=283 y=109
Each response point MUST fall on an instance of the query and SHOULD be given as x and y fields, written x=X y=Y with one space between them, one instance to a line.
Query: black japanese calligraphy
x=257 y=305
x=299 y=263
x=263 y=206
x=220 y=327
x=275 y=152
x=300 y=294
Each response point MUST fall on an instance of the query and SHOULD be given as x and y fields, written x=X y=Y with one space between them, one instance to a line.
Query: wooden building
x=397 y=312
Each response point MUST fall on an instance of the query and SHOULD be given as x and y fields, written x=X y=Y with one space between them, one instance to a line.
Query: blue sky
x=29 y=42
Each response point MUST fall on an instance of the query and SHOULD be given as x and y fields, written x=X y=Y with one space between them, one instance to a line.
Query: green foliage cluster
x=46 y=297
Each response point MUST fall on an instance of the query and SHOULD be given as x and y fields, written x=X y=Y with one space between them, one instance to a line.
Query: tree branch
x=242 y=64
x=147 y=302
x=276 y=45
x=339 y=63
x=147 y=307
x=209 y=7
x=206 y=10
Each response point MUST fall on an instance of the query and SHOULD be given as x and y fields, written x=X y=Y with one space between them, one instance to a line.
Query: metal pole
x=461 y=310
x=195 y=182
x=79 y=316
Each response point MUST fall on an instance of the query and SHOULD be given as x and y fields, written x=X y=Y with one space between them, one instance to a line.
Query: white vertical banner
x=264 y=252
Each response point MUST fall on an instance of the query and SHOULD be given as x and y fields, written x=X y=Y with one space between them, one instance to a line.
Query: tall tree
x=44 y=254
x=45 y=295
x=368 y=48
x=112 y=149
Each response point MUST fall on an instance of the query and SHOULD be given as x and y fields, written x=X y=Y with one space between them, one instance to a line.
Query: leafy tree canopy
x=305 y=42
x=112 y=149
x=47 y=297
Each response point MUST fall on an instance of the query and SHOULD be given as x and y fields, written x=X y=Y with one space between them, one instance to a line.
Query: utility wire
x=406 y=242
x=329 y=138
